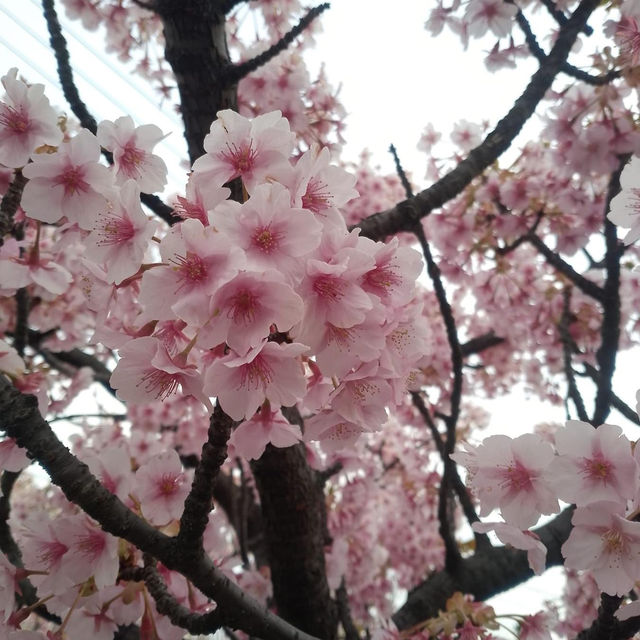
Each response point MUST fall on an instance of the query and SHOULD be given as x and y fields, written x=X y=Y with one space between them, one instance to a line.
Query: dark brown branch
x=21 y=331
x=405 y=215
x=482 y=539
x=167 y=605
x=611 y=315
x=344 y=613
x=79 y=108
x=295 y=528
x=196 y=48
x=400 y=171
x=567 y=349
x=559 y=16
x=604 y=626
x=234 y=73
x=512 y=246
x=617 y=402
x=480 y=343
x=584 y=284
x=20 y=419
x=483 y=575
x=537 y=51
x=452 y=553
x=9 y=204
x=199 y=502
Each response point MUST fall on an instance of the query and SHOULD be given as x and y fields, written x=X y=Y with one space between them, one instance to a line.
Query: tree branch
x=584 y=284
x=20 y=419
x=485 y=574
x=10 y=202
x=234 y=73
x=405 y=215
x=537 y=51
x=199 y=502
x=611 y=317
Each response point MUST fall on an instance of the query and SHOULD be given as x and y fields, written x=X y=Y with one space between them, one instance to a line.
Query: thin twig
x=567 y=348
x=585 y=285
x=236 y=72
x=344 y=613
x=559 y=16
x=611 y=315
x=538 y=53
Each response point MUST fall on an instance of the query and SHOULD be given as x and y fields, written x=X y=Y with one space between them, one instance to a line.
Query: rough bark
x=293 y=509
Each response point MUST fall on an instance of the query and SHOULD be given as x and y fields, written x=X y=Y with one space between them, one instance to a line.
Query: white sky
x=394 y=80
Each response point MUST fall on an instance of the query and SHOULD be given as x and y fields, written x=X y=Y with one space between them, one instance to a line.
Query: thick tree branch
x=294 y=515
x=20 y=419
x=405 y=215
x=9 y=204
x=199 y=502
x=485 y=574
x=611 y=316
x=233 y=74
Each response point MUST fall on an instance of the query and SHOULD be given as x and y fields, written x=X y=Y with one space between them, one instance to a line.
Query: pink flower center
x=516 y=477
x=14 y=119
x=240 y=158
x=162 y=383
x=115 y=229
x=191 y=269
x=244 y=306
x=382 y=278
x=613 y=541
x=266 y=240
x=256 y=374
x=186 y=209
x=328 y=287
x=168 y=484
x=51 y=552
x=72 y=179
x=132 y=158
x=597 y=468
x=316 y=198
x=91 y=544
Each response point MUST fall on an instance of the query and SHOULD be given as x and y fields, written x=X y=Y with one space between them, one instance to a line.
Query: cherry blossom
x=625 y=207
x=607 y=544
x=132 y=157
x=67 y=183
x=161 y=488
x=26 y=121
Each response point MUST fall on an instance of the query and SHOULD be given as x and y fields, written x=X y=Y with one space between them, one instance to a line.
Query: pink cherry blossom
x=161 y=488
x=525 y=540
x=593 y=464
x=625 y=207
x=266 y=427
x=239 y=147
x=607 y=544
x=272 y=233
x=11 y=363
x=12 y=457
x=197 y=260
x=26 y=121
x=243 y=310
x=67 y=183
x=511 y=476
x=132 y=157
x=121 y=234
x=268 y=371
x=146 y=372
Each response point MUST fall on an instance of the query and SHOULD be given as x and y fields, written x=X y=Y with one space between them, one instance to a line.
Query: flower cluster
x=595 y=469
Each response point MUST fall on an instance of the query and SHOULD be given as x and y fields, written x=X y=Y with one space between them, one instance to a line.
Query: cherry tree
x=297 y=450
